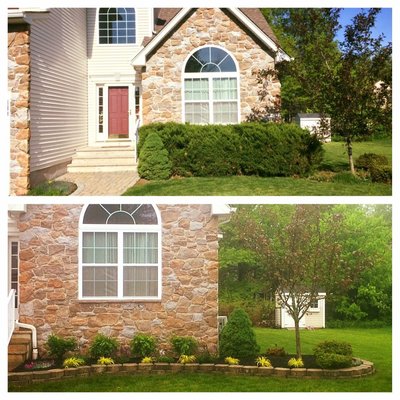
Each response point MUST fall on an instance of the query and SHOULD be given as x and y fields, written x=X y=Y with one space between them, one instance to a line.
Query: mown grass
x=335 y=159
x=372 y=344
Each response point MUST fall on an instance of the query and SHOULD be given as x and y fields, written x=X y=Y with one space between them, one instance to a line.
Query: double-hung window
x=120 y=252
x=211 y=94
x=117 y=26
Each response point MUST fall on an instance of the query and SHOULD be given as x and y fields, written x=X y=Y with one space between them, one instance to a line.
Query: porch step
x=103 y=159
x=19 y=348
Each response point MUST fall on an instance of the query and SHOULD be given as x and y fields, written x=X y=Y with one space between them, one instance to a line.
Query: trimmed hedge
x=263 y=149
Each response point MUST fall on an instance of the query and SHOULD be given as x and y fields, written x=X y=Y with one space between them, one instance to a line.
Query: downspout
x=34 y=337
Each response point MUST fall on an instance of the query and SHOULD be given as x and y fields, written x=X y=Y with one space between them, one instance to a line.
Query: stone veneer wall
x=49 y=279
x=18 y=89
x=162 y=78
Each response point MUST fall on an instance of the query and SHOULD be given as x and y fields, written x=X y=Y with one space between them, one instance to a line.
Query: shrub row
x=263 y=149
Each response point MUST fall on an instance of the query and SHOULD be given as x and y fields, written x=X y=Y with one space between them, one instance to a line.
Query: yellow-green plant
x=295 y=363
x=105 y=361
x=73 y=362
x=263 y=362
x=185 y=359
x=147 y=360
x=232 y=360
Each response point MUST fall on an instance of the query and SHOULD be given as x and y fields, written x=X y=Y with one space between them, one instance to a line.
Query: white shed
x=313 y=318
x=312 y=122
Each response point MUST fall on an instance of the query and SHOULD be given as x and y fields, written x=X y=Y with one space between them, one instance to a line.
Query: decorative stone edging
x=22 y=378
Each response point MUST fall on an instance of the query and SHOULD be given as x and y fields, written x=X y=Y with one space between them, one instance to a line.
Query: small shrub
x=332 y=354
x=105 y=361
x=263 y=362
x=231 y=360
x=333 y=361
x=143 y=345
x=147 y=360
x=335 y=347
x=295 y=363
x=184 y=345
x=186 y=359
x=368 y=160
x=103 y=346
x=276 y=351
x=73 y=362
x=238 y=338
x=154 y=162
x=381 y=173
x=58 y=346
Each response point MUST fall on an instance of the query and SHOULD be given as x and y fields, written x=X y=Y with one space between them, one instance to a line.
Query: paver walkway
x=101 y=183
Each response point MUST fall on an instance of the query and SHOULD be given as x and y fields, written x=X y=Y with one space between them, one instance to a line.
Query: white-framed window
x=210 y=87
x=14 y=268
x=117 y=26
x=314 y=305
x=120 y=252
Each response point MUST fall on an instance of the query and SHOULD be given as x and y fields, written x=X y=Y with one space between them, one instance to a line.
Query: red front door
x=118 y=112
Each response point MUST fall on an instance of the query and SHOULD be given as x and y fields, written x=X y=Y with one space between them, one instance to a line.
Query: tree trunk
x=297 y=333
x=349 y=145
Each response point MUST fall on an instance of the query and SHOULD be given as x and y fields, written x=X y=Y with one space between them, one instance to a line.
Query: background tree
x=362 y=84
x=349 y=81
x=298 y=250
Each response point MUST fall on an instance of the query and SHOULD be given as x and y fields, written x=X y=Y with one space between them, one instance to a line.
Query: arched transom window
x=117 y=26
x=211 y=87
x=120 y=252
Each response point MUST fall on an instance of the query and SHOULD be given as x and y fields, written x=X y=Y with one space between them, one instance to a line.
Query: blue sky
x=383 y=22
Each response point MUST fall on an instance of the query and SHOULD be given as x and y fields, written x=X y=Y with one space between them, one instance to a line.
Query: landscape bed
x=24 y=378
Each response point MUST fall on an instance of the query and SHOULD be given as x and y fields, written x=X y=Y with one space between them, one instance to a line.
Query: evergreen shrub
x=263 y=149
x=238 y=338
x=154 y=162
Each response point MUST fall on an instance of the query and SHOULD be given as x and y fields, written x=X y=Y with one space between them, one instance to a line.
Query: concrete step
x=103 y=159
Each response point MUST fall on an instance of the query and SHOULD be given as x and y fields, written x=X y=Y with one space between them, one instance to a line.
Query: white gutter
x=34 y=337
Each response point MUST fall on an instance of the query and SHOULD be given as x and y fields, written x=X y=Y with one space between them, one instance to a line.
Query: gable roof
x=165 y=19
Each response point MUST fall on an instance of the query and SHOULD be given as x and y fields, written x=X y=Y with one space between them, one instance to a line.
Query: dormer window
x=117 y=26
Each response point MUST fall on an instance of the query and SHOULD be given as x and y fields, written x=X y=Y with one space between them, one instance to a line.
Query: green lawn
x=335 y=159
x=372 y=344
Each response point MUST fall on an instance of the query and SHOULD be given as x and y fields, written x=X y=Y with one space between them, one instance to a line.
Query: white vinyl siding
x=106 y=59
x=58 y=87
x=111 y=65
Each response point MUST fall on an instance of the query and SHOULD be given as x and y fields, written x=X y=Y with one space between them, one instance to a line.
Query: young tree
x=302 y=252
x=351 y=81
x=362 y=84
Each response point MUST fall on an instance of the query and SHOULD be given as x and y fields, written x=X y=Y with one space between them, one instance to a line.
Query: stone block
x=206 y=367
x=281 y=371
x=298 y=372
x=191 y=367
x=130 y=368
x=265 y=371
x=249 y=369
x=176 y=367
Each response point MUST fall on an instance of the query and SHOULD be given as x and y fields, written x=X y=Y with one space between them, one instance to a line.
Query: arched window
x=117 y=26
x=120 y=252
x=211 y=92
